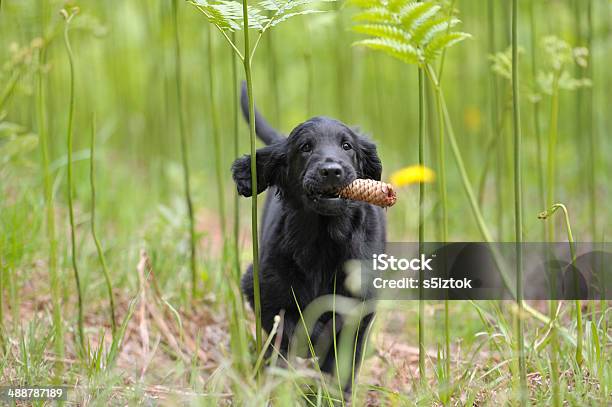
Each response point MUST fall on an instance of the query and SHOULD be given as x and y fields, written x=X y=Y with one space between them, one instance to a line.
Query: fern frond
x=271 y=5
x=227 y=14
x=366 y=3
x=402 y=51
x=217 y=15
x=395 y=5
x=375 y=15
x=283 y=6
x=439 y=43
x=421 y=25
x=256 y=19
x=414 y=14
x=287 y=16
x=428 y=30
x=383 y=31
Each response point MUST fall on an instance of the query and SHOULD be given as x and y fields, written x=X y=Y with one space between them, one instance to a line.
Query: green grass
x=99 y=250
x=193 y=261
x=202 y=348
x=69 y=15
x=518 y=205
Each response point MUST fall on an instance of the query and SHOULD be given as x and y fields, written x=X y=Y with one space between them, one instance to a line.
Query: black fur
x=306 y=234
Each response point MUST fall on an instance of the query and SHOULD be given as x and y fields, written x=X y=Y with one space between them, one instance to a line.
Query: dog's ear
x=270 y=161
x=371 y=167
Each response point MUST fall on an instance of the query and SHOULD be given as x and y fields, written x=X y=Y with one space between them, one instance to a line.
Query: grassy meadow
x=109 y=109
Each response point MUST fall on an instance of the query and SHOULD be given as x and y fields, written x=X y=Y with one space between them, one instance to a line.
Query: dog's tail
x=264 y=131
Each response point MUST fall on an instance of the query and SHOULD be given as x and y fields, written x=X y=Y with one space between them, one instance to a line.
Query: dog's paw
x=241 y=172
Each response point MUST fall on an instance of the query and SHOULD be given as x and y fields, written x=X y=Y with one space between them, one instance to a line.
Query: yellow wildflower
x=413 y=174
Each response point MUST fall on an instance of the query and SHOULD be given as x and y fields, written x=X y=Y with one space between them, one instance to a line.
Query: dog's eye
x=306 y=148
x=346 y=146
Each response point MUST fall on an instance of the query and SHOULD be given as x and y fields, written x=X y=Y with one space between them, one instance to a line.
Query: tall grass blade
x=58 y=338
x=69 y=15
x=447 y=382
x=591 y=128
x=421 y=226
x=578 y=306
x=518 y=205
x=550 y=235
x=101 y=258
x=184 y=151
x=236 y=133
x=536 y=109
x=239 y=332
x=254 y=235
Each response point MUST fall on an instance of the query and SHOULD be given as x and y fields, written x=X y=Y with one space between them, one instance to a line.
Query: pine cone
x=370 y=191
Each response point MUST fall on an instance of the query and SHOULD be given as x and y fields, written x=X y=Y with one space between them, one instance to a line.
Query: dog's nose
x=331 y=173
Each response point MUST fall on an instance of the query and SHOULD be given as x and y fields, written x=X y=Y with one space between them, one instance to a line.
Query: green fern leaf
x=287 y=16
x=439 y=43
x=404 y=52
x=430 y=29
x=383 y=31
x=374 y=15
x=217 y=15
x=414 y=14
x=395 y=5
x=270 y=5
x=366 y=3
x=256 y=19
x=292 y=4
x=227 y=14
x=423 y=26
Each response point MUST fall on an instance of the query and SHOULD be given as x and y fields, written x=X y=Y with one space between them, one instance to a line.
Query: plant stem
x=484 y=230
x=593 y=161
x=58 y=337
x=81 y=339
x=451 y=8
x=552 y=148
x=496 y=126
x=236 y=154
x=241 y=341
x=184 y=152
x=579 y=129
x=247 y=70
x=550 y=234
x=577 y=303
x=518 y=204
x=536 y=110
x=421 y=227
x=444 y=213
x=215 y=131
x=592 y=142
x=92 y=171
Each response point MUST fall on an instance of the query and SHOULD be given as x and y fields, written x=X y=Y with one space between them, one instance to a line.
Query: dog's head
x=319 y=157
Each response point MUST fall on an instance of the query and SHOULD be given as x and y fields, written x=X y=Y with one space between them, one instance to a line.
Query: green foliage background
x=304 y=67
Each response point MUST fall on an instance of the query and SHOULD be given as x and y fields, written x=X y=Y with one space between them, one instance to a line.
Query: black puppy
x=308 y=232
